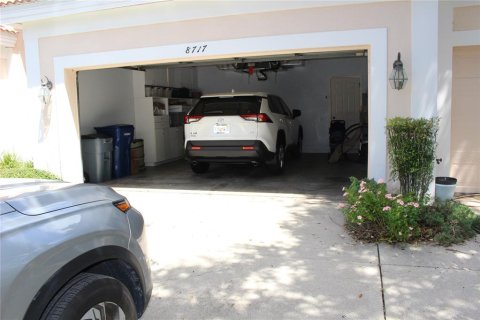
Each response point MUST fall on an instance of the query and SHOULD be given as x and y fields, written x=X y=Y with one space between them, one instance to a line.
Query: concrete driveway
x=220 y=251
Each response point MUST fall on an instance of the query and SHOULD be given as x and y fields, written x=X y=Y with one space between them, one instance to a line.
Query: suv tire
x=88 y=293
x=200 y=167
x=278 y=163
x=299 y=146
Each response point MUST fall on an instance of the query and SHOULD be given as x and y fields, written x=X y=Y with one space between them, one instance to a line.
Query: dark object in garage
x=180 y=92
x=138 y=158
x=122 y=135
x=337 y=133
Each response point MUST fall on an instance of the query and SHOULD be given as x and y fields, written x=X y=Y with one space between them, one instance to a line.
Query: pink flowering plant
x=373 y=214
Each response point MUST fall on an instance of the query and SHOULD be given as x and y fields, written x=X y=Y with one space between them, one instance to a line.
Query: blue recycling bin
x=122 y=135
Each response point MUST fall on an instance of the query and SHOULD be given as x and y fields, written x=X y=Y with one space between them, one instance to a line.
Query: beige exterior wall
x=466 y=18
x=395 y=16
x=465 y=145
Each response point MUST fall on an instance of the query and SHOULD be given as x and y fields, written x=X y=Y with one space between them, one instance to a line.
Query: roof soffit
x=27 y=11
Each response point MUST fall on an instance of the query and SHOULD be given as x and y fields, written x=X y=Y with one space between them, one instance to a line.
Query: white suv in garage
x=241 y=128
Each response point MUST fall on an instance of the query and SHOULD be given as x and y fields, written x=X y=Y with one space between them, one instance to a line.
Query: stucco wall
x=395 y=16
x=466 y=18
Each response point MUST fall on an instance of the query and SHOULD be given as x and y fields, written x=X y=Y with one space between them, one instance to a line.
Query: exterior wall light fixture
x=45 y=93
x=398 y=78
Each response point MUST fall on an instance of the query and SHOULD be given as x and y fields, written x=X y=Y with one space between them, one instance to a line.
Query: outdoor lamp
x=398 y=78
x=45 y=91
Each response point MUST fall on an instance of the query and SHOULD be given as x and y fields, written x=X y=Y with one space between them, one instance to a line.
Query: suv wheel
x=279 y=160
x=92 y=296
x=200 y=167
x=299 y=146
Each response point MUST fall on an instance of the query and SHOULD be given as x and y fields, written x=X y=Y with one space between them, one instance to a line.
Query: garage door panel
x=466 y=62
x=472 y=158
x=467 y=92
x=468 y=68
x=468 y=177
x=463 y=140
x=465 y=145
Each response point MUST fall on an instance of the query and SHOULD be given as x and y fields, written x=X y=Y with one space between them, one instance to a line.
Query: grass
x=12 y=167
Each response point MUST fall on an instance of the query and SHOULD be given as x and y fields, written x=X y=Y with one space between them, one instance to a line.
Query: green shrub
x=10 y=160
x=373 y=214
x=449 y=222
x=411 y=150
x=12 y=167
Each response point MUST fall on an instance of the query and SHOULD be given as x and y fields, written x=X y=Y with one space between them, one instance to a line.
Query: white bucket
x=445 y=188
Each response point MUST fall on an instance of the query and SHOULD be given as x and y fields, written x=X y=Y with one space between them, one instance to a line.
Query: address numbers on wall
x=196 y=49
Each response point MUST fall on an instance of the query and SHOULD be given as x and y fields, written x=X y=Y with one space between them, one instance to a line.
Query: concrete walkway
x=241 y=255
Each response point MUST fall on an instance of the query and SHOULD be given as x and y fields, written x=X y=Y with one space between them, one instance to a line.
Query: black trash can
x=122 y=135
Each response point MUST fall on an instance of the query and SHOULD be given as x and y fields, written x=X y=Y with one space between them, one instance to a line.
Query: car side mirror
x=296 y=113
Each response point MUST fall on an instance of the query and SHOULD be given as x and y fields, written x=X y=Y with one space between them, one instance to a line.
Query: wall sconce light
x=398 y=78
x=45 y=93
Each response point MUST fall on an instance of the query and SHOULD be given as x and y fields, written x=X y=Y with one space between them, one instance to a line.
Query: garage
x=193 y=42
x=369 y=43
x=328 y=87
x=209 y=51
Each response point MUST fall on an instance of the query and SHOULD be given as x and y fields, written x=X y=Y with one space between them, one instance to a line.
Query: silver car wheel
x=105 y=311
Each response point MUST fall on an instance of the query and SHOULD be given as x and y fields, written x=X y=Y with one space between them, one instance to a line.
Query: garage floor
x=311 y=174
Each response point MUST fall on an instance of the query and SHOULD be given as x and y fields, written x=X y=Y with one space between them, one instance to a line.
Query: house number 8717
x=195 y=49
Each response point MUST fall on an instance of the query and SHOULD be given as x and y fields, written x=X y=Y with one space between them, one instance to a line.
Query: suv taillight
x=189 y=119
x=258 y=117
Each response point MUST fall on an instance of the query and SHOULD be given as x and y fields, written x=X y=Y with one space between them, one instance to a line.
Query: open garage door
x=154 y=99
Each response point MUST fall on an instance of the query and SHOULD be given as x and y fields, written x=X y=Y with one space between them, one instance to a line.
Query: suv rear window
x=227 y=106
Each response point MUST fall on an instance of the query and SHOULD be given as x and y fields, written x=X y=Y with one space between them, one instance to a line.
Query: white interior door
x=345 y=99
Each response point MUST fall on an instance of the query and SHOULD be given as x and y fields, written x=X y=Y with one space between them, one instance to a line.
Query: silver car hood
x=39 y=197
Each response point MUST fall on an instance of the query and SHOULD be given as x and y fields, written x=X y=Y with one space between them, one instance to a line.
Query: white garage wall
x=306 y=88
x=105 y=98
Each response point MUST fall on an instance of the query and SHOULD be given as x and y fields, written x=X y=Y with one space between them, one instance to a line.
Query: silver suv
x=241 y=128
x=71 y=252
